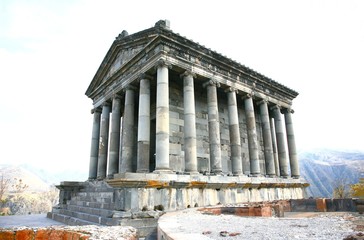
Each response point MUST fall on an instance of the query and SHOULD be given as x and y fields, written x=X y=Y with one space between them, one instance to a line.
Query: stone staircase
x=92 y=203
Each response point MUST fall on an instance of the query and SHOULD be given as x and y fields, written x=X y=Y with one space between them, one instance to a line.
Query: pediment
x=119 y=54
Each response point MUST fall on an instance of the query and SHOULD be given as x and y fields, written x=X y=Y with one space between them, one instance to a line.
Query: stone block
x=278 y=210
x=7 y=235
x=321 y=205
x=42 y=234
x=303 y=205
x=341 y=205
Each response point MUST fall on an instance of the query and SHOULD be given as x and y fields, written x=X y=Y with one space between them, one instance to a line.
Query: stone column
x=283 y=164
x=94 y=143
x=267 y=138
x=189 y=123
x=162 y=119
x=214 y=127
x=104 y=140
x=274 y=144
x=127 y=145
x=293 y=159
x=114 y=137
x=252 y=136
x=144 y=125
x=234 y=132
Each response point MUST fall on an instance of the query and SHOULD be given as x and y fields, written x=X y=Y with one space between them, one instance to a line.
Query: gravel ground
x=317 y=226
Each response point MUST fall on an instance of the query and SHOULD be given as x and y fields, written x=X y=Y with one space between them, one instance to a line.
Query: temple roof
x=128 y=50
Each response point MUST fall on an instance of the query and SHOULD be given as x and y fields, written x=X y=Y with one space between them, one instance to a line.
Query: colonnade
x=121 y=155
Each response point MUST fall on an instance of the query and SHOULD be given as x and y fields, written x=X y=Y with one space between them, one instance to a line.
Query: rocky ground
x=337 y=225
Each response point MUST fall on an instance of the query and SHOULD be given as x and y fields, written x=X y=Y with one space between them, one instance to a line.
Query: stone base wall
x=135 y=192
x=169 y=199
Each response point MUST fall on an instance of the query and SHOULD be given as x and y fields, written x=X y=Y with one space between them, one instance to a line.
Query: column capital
x=288 y=110
x=163 y=63
x=188 y=73
x=262 y=101
x=275 y=107
x=129 y=87
x=231 y=89
x=116 y=96
x=107 y=104
x=211 y=82
x=144 y=76
x=97 y=110
x=247 y=95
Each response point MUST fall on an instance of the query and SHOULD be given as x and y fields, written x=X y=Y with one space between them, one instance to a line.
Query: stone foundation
x=137 y=191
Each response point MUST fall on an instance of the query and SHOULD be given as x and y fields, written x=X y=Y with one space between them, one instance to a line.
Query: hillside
x=324 y=168
x=14 y=173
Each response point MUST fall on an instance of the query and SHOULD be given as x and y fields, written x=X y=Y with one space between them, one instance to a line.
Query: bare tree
x=341 y=188
x=4 y=185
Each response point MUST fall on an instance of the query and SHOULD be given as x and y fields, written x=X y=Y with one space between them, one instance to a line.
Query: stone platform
x=138 y=199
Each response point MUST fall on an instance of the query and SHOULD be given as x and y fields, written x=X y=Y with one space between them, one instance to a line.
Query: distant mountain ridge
x=323 y=168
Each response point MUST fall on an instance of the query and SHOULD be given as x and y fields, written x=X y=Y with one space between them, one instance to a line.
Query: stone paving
x=34 y=220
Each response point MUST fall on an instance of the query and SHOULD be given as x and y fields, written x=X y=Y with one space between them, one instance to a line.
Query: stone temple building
x=178 y=125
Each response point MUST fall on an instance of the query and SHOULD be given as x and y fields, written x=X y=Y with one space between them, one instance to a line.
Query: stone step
x=102 y=205
x=90 y=210
x=84 y=216
x=68 y=219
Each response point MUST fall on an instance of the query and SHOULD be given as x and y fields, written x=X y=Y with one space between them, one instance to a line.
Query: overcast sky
x=50 y=51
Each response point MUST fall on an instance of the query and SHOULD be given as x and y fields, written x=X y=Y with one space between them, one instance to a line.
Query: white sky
x=50 y=51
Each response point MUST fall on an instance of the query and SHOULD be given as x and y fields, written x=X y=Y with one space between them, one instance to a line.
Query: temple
x=178 y=125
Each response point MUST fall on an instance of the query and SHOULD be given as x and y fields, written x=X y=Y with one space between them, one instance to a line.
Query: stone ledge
x=152 y=180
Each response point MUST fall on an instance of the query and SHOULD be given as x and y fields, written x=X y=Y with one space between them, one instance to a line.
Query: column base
x=271 y=176
x=238 y=174
x=163 y=171
x=255 y=175
x=191 y=173
x=142 y=171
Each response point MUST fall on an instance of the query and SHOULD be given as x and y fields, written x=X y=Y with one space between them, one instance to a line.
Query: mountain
x=15 y=173
x=39 y=179
x=322 y=168
x=325 y=168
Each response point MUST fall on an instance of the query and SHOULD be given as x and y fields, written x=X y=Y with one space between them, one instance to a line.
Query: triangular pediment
x=120 y=53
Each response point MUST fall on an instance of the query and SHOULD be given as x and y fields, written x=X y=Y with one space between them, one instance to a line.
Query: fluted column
x=94 y=143
x=293 y=159
x=189 y=123
x=114 y=137
x=283 y=163
x=214 y=127
x=144 y=125
x=234 y=132
x=127 y=145
x=104 y=141
x=274 y=144
x=252 y=136
x=162 y=118
x=267 y=138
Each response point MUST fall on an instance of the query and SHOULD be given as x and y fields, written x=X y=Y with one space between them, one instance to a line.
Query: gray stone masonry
x=94 y=144
x=281 y=146
x=162 y=118
x=104 y=141
x=144 y=125
x=127 y=146
x=252 y=136
x=267 y=138
x=114 y=137
x=214 y=128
